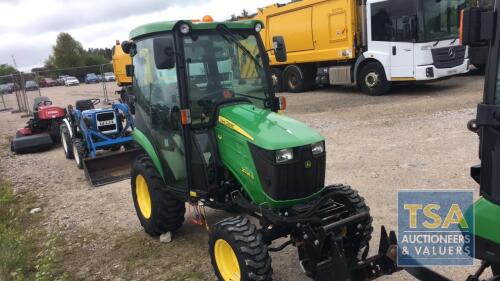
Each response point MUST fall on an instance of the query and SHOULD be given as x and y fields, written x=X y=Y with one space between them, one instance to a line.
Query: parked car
x=91 y=78
x=12 y=87
x=4 y=89
x=31 y=85
x=48 y=82
x=61 y=80
x=109 y=77
x=71 y=81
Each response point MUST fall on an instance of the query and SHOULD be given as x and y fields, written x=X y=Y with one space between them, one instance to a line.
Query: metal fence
x=17 y=91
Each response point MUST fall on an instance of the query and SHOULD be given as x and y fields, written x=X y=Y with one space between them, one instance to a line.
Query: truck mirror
x=476 y=26
x=279 y=48
x=129 y=70
x=164 y=52
x=127 y=46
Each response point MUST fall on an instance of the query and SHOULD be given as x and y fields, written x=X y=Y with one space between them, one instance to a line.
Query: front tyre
x=66 y=142
x=356 y=237
x=238 y=252
x=158 y=211
x=79 y=152
x=372 y=79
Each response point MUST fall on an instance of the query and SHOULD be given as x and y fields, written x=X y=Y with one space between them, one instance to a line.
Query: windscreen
x=439 y=19
x=223 y=65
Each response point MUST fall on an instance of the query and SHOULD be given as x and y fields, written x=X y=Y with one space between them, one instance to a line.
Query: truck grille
x=448 y=57
x=106 y=122
x=299 y=178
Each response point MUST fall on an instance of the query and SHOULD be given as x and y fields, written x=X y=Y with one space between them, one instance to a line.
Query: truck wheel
x=79 y=152
x=158 y=211
x=277 y=76
x=358 y=236
x=372 y=80
x=238 y=252
x=298 y=79
x=66 y=142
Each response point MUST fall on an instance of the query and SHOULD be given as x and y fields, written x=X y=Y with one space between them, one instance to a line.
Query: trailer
x=368 y=43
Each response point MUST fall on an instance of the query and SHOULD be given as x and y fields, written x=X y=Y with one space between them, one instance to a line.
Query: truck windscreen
x=439 y=20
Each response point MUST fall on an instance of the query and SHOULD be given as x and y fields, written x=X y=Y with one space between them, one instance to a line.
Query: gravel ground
x=413 y=138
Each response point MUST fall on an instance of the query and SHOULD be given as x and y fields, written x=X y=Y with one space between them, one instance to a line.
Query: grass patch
x=25 y=254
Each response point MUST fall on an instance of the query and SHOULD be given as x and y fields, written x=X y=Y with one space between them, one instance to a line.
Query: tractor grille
x=299 y=178
x=106 y=122
x=449 y=56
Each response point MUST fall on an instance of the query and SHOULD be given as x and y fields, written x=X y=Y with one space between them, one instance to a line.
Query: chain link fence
x=17 y=91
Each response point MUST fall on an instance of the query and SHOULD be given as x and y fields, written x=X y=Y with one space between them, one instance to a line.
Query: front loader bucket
x=110 y=167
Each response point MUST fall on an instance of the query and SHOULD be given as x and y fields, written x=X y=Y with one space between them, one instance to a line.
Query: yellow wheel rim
x=226 y=261
x=143 y=198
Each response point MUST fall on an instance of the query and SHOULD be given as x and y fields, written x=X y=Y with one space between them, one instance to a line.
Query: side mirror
x=127 y=46
x=279 y=48
x=476 y=26
x=129 y=70
x=164 y=52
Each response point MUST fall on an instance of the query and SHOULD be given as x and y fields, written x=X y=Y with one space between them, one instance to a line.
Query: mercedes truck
x=367 y=43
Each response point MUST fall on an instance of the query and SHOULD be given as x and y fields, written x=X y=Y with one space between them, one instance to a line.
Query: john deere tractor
x=208 y=122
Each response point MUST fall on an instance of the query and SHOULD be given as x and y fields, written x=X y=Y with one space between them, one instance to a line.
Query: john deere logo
x=308 y=164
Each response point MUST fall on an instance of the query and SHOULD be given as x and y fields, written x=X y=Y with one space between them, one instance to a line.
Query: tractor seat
x=83 y=105
x=39 y=100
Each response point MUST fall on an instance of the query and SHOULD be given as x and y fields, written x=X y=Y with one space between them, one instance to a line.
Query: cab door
x=402 y=49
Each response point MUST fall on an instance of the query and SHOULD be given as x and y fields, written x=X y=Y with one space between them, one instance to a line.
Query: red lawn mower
x=41 y=131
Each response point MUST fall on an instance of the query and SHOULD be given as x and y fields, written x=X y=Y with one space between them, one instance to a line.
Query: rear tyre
x=66 y=142
x=158 y=211
x=238 y=252
x=298 y=79
x=277 y=76
x=79 y=152
x=356 y=237
x=372 y=79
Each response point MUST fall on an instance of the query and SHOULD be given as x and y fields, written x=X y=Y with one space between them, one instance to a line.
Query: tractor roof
x=169 y=25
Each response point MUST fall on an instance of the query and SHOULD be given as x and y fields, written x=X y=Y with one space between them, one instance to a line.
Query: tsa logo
x=433 y=229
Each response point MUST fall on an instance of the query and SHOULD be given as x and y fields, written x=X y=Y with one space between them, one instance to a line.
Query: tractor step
x=32 y=143
x=111 y=167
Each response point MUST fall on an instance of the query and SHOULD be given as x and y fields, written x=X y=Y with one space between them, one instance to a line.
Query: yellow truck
x=120 y=62
x=369 y=43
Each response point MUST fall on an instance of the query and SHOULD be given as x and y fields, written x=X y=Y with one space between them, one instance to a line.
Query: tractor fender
x=147 y=146
x=68 y=125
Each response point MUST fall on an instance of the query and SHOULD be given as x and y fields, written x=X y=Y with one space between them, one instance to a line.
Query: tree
x=6 y=69
x=67 y=52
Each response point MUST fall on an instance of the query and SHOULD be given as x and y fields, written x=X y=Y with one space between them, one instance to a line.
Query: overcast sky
x=28 y=28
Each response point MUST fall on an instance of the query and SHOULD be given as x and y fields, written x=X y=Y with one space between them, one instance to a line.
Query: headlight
x=258 y=27
x=184 y=28
x=284 y=155
x=318 y=148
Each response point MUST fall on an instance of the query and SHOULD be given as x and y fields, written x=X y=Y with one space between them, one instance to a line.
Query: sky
x=28 y=28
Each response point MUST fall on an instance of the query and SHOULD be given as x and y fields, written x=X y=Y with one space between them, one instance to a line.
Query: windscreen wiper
x=228 y=35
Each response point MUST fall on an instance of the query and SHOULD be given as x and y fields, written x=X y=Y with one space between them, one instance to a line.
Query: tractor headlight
x=258 y=27
x=184 y=28
x=284 y=155
x=318 y=148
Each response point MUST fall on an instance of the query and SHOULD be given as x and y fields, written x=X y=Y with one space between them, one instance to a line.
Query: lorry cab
x=417 y=39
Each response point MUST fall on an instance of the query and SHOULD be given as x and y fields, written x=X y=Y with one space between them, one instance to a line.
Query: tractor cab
x=185 y=73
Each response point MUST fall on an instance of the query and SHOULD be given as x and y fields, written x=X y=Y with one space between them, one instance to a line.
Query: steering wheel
x=95 y=101
x=44 y=103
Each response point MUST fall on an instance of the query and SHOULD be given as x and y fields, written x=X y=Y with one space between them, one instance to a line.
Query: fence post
x=104 y=87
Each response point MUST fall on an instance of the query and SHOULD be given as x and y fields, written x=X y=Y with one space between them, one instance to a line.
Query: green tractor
x=212 y=135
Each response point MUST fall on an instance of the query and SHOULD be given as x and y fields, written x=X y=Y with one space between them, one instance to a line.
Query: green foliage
x=68 y=53
x=6 y=69
x=25 y=254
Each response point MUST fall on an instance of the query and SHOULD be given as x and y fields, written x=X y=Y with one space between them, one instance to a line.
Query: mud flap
x=110 y=167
